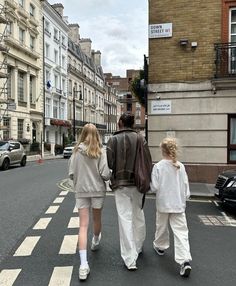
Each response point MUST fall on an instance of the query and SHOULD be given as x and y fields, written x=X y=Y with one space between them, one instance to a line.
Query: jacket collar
x=125 y=130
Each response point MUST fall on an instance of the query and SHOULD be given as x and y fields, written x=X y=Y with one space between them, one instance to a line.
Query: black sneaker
x=185 y=269
x=158 y=250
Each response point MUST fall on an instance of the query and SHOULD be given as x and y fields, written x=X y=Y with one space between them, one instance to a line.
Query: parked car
x=68 y=150
x=226 y=186
x=11 y=153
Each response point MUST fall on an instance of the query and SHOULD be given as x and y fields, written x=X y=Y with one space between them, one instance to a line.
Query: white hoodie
x=88 y=173
x=171 y=187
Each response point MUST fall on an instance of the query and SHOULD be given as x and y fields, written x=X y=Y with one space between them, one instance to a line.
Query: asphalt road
x=32 y=190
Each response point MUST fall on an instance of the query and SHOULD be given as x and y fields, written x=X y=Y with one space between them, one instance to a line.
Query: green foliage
x=137 y=89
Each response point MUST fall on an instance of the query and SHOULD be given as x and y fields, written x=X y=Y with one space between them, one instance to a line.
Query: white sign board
x=160 y=106
x=160 y=30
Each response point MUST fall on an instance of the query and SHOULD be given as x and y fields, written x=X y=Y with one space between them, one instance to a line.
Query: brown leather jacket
x=121 y=152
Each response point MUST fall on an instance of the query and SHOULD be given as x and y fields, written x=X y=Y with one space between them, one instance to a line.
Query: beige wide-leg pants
x=132 y=228
x=178 y=224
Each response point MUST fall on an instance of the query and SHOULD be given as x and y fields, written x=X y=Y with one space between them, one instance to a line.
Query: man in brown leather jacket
x=121 y=152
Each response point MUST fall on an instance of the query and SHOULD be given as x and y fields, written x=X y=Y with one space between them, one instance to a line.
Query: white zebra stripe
x=27 y=246
x=74 y=222
x=61 y=276
x=42 y=223
x=58 y=200
x=69 y=244
x=52 y=210
x=8 y=276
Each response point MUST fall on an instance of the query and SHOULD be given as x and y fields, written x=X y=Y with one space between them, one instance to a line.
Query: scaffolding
x=4 y=100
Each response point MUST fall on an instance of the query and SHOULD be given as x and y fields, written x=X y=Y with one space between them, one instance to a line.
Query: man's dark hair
x=127 y=119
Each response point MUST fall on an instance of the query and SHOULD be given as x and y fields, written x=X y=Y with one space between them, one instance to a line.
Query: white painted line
x=61 y=276
x=216 y=203
x=199 y=201
x=227 y=218
x=8 y=276
x=75 y=210
x=58 y=200
x=27 y=246
x=42 y=223
x=69 y=244
x=63 y=193
x=52 y=210
x=74 y=222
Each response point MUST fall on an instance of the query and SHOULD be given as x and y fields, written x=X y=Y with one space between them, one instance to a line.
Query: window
x=63 y=40
x=47 y=50
x=6 y=130
x=9 y=28
x=20 y=129
x=47 y=76
x=48 y=107
x=232 y=39
x=62 y=115
x=32 y=89
x=232 y=138
x=32 y=10
x=63 y=60
x=32 y=42
x=56 y=81
x=56 y=35
x=21 y=3
x=55 y=108
x=9 y=82
x=55 y=56
x=21 y=86
x=21 y=35
x=70 y=86
x=64 y=85
x=47 y=27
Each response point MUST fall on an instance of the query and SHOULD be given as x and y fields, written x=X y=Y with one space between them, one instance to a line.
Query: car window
x=15 y=146
x=4 y=145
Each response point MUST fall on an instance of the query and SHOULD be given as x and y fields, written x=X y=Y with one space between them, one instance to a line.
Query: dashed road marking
x=58 y=200
x=63 y=193
x=69 y=244
x=52 y=210
x=27 y=246
x=42 y=223
x=74 y=222
x=8 y=276
x=61 y=276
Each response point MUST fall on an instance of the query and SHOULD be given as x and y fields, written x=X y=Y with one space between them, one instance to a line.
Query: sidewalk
x=47 y=156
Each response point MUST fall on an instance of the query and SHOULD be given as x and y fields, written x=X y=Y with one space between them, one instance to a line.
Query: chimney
x=59 y=8
x=85 y=45
x=74 y=33
x=96 y=56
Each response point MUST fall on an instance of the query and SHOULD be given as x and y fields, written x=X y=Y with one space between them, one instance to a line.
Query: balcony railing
x=225 y=60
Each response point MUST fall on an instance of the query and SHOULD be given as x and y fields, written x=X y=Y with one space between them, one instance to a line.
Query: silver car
x=11 y=153
x=68 y=150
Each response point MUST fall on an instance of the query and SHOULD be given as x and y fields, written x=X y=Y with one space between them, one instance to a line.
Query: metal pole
x=74 y=114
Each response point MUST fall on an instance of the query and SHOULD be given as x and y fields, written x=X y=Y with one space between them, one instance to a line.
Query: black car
x=226 y=185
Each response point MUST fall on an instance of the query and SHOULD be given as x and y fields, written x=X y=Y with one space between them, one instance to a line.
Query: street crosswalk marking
x=75 y=210
x=52 y=210
x=42 y=223
x=69 y=244
x=61 y=276
x=27 y=246
x=74 y=222
x=58 y=200
x=63 y=193
x=217 y=220
x=8 y=276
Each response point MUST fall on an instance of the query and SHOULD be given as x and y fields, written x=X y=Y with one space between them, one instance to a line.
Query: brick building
x=192 y=82
x=127 y=100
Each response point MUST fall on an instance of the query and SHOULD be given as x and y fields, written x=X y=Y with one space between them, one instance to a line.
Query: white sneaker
x=132 y=266
x=84 y=272
x=95 y=244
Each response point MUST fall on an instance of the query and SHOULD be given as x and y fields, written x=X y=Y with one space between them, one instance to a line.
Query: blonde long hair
x=169 y=148
x=90 y=137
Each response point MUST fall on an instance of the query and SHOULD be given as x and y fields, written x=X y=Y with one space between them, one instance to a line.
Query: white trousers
x=132 y=228
x=178 y=224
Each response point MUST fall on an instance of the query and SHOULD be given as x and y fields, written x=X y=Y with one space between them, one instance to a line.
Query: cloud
x=118 y=28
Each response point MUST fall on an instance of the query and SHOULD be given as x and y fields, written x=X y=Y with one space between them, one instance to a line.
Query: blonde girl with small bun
x=89 y=170
x=170 y=182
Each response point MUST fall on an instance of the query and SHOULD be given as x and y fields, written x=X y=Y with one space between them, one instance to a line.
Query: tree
x=138 y=88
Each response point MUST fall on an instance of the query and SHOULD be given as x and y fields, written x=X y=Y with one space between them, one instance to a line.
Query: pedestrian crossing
x=60 y=275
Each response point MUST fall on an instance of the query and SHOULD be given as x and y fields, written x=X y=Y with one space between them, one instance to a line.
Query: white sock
x=96 y=238
x=83 y=258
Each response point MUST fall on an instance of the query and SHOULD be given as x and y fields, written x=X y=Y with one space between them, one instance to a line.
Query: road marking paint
x=58 y=200
x=63 y=193
x=52 y=210
x=61 y=276
x=75 y=210
x=42 y=223
x=69 y=244
x=74 y=222
x=27 y=246
x=8 y=276
x=199 y=201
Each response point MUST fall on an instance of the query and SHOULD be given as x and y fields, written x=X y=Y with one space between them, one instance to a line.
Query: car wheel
x=5 y=164
x=23 y=161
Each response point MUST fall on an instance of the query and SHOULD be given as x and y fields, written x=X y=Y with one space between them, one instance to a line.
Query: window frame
x=230 y=147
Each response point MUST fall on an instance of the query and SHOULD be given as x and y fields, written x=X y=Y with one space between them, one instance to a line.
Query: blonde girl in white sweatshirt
x=170 y=182
x=88 y=169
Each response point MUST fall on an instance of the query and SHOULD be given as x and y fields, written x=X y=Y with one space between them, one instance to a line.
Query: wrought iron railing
x=225 y=60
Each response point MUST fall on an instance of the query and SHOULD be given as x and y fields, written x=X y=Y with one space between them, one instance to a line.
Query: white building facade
x=55 y=72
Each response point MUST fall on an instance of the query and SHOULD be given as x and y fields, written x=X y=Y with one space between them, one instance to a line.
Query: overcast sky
x=118 y=28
